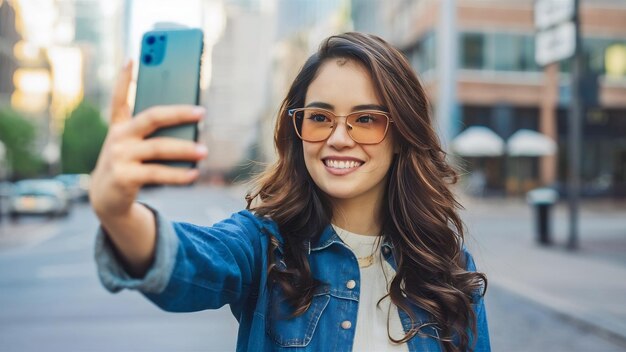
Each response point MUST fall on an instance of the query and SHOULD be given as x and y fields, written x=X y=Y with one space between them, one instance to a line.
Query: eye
x=317 y=117
x=366 y=119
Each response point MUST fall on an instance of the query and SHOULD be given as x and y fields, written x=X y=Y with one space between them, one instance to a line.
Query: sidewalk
x=587 y=286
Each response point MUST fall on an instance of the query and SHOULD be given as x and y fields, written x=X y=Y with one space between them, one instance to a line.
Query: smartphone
x=169 y=73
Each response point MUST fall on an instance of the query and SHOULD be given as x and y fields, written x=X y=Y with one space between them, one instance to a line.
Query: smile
x=342 y=164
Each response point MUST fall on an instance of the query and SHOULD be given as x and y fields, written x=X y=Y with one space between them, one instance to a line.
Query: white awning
x=530 y=143
x=478 y=141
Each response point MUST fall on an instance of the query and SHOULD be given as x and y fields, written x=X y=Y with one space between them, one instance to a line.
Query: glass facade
x=516 y=52
x=603 y=168
x=603 y=159
x=473 y=51
x=503 y=119
x=497 y=51
x=594 y=56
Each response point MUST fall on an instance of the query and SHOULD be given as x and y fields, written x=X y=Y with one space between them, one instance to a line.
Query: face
x=339 y=166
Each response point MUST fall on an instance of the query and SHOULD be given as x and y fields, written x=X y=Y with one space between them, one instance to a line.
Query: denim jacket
x=197 y=268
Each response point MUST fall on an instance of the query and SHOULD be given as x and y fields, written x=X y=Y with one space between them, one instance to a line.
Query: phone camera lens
x=147 y=58
x=150 y=40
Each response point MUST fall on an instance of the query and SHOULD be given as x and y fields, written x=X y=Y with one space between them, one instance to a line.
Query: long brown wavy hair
x=420 y=218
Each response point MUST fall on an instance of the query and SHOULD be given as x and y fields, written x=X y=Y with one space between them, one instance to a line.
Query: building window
x=527 y=59
x=506 y=52
x=498 y=52
x=594 y=55
x=473 y=50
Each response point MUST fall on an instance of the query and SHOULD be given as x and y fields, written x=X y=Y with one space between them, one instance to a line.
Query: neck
x=359 y=216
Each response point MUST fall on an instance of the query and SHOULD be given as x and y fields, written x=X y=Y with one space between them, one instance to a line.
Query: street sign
x=555 y=44
x=551 y=12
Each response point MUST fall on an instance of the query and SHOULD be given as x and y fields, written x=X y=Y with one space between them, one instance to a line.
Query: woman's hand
x=120 y=171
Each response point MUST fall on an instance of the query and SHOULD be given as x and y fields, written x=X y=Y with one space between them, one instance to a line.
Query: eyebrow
x=321 y=105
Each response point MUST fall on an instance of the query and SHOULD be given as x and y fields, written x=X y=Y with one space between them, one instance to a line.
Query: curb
x=615 y=329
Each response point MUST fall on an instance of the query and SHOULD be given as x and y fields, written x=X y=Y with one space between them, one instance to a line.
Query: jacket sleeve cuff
x=111 y=271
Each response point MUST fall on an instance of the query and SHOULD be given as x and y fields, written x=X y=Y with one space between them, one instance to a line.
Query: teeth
x=341 y=164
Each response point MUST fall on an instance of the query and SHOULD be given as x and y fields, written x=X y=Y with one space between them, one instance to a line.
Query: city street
x=50 y=296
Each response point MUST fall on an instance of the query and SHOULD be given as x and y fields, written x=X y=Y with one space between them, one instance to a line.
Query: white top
x=371 y=322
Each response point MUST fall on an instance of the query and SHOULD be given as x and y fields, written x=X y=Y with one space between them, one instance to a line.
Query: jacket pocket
x=287 y=331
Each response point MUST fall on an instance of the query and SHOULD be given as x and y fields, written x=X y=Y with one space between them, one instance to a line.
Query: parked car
x=39 y=197
x=6 y=190
x=77 y=186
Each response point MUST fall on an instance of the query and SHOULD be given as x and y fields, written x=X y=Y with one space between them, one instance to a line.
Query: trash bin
x=542 y=200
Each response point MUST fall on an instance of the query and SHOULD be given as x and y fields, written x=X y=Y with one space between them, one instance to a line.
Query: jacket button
x=351 y=284
x=346 y=325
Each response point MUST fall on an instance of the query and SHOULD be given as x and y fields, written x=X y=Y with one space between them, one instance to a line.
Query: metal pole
x=447 y=42
x=574 y=135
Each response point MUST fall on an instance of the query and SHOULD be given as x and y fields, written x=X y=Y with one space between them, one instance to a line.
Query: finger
x=161 y=174
x=119 y=103
x=163 y=148
x=156 y=117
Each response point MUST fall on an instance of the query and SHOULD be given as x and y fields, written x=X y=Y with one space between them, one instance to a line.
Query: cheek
x=310 y=152
x=383 y=155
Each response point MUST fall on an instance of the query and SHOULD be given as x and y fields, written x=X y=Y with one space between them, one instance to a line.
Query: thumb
x=120 y=110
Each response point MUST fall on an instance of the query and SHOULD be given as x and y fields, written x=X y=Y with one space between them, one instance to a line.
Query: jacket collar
x=329 y=236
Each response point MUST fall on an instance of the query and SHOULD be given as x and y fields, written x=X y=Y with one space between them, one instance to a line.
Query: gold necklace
x=365 y=262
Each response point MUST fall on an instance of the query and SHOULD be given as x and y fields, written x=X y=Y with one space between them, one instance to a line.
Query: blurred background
x=501 y=77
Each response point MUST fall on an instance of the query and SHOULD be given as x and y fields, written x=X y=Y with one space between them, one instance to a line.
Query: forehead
x=343 y=83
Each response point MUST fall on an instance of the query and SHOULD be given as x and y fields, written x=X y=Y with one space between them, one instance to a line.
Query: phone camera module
x=147 y=58
x=150 y=40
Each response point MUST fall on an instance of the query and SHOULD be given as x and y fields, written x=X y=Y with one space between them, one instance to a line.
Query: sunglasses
x=364 y=127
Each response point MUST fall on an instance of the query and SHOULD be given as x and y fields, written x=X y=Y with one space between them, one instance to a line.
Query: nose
x=340 y=138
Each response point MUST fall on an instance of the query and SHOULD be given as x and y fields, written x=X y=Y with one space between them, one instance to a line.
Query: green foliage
x=82 y=139
x=18 y=136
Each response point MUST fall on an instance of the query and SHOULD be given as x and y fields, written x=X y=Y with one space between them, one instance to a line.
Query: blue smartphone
x=169 y=73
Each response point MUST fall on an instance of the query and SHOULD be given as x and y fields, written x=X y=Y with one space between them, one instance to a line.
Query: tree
x=82 y=139
x=19 y=135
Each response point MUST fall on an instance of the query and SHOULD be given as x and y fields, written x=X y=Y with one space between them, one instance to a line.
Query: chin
x=341 y=192
x=337 y=194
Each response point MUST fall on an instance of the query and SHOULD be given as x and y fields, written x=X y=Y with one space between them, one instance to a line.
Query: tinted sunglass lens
x=317 y=125
x=368 y=128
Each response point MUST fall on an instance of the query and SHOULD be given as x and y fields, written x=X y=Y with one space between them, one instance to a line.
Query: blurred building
x=8 y=63
x=26 y=79
x=237 y=94
x=60 y=52
x=99 y=31
x=496 y=82
x=262 y=46
x=297 y=16
x=301 y=25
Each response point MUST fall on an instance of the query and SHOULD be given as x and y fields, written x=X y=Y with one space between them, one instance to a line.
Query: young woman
x=350 y=241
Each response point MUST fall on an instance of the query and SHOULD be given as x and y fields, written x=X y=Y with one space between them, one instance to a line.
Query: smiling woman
x=351 y=240
x=347 y=171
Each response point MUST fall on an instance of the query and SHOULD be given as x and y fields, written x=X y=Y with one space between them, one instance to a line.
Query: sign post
x=558 y=38
x=555 y=21
x=575 y=137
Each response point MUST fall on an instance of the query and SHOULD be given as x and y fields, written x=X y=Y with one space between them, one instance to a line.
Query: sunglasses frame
x=293 y=114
